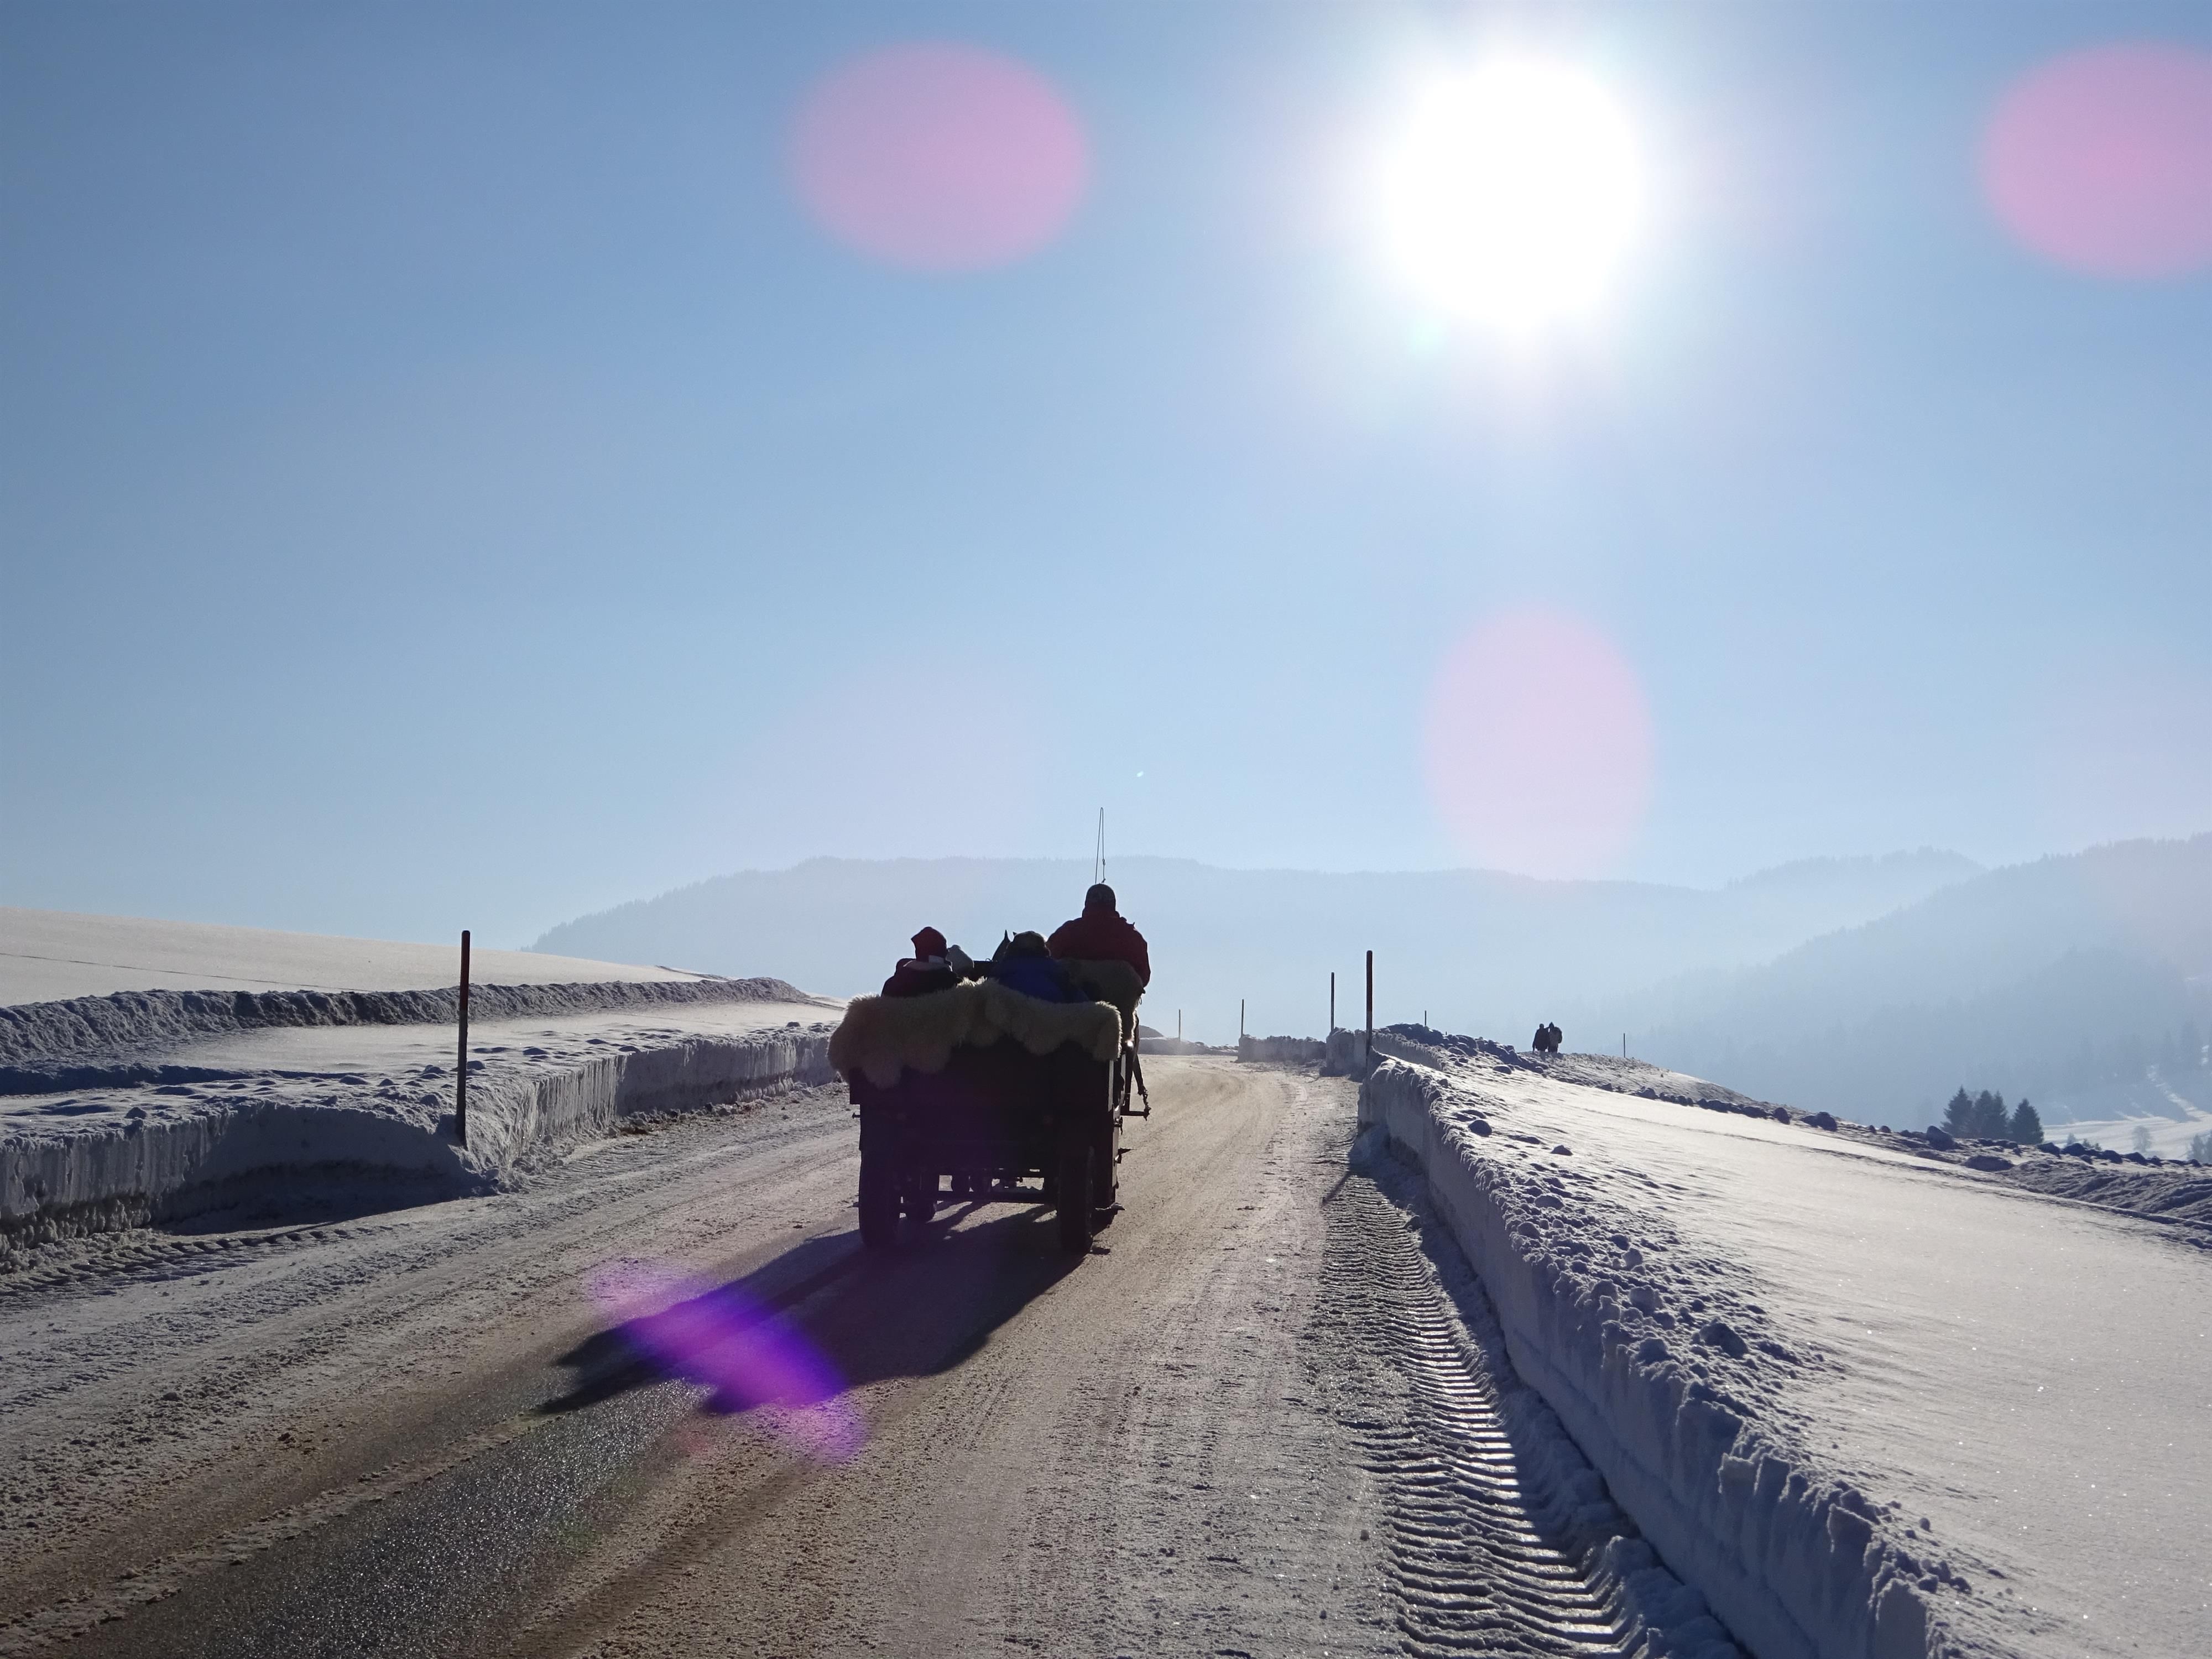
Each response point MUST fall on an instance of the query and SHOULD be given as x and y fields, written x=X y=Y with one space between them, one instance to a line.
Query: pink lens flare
x=939 y=157
x=2101 y=161
x=719 y=1337
x=1538 y=745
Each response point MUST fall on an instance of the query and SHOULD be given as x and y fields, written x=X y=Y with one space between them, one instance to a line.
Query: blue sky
x=447 y=478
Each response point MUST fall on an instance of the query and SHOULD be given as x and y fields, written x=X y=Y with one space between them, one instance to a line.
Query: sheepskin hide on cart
x=1109 y=981
x=882 y=1037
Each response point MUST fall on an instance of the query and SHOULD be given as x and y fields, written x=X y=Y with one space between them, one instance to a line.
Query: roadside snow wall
x=1345 y=1053
x=1794 y=1561
x=110 y=1162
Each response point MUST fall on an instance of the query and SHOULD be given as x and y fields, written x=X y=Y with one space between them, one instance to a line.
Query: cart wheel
x=879 y=1202
x=1074 y=1191
x=921 y=1199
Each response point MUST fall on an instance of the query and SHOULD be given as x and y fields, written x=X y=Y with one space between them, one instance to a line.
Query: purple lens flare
x=1539 y=746
x=2101 y=161
x=747 y=1357
x=940 y=157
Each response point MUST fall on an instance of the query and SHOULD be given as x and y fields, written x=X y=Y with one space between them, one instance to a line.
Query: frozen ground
x=1870 y=1400
x=322 y=1080
x=49 y=956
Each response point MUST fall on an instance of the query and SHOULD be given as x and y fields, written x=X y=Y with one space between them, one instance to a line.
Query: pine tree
x=2026 y=1125
x=1958 y=1115
x=1988 y=1121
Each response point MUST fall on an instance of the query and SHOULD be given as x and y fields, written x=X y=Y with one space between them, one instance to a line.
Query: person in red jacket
x=929 y=968
x=1102 y=934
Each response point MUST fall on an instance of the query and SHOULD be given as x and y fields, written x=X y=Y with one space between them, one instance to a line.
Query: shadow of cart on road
x=826 y=1316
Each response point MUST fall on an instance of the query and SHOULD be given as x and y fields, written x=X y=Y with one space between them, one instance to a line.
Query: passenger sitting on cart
x=934 y=966
x=1101 y=933
x=1022 y=963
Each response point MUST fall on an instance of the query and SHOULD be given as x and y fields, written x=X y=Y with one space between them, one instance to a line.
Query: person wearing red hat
x=929 y=968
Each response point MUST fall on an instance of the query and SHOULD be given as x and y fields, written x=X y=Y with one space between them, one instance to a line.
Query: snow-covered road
x=1251 y=1422
x=1868 y=1402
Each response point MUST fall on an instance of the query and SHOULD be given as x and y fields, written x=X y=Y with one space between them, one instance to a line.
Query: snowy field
x=2164 y=1137
x=1869 y=1400
x=49 y=956
x=281 y=1073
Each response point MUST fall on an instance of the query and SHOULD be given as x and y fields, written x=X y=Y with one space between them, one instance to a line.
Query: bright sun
x=1512 y=192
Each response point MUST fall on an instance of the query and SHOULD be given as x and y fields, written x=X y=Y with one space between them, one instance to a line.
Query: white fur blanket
x=882 y=1037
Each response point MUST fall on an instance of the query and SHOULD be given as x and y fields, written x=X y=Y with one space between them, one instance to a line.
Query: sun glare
x=1512 y=192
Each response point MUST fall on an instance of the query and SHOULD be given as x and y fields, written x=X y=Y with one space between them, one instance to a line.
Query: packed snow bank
x=1344 y=1053
x=1869 y=1402
x=51 y=956
x=267 y=1116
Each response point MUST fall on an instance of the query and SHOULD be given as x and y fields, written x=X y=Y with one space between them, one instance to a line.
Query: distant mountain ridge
x=1482 y=950
x=1907 y=876
x=2066 y=980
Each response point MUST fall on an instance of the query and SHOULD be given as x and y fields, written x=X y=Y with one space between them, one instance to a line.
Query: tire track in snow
x=1503 y=1539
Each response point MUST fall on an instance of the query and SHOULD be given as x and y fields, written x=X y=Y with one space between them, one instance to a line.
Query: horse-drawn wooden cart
x=989 y=1088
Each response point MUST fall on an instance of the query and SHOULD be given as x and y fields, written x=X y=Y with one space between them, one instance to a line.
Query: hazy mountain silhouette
x=1479 y=950
x=2065 y=979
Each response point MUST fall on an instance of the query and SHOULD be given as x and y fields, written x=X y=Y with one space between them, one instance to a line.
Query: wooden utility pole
x=1240 y=1019
x=1332 y=1001
x=461 y=1068
x=1370 y=1007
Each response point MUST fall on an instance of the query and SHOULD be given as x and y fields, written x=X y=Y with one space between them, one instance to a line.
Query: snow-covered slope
x=1871 y=1402
x=48 y=955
